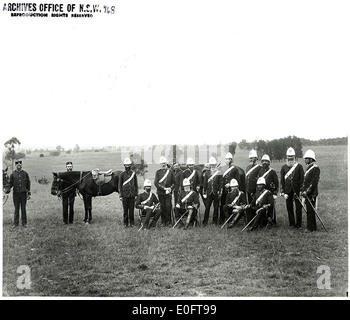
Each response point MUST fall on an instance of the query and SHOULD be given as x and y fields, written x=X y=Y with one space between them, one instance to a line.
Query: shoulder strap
x=187 y=196
x=261 y=196
x=308 y=170
x=250 y=170
x=213 y=175
x=127 y=181
x=290 y=171
x=266 y=173
x=228 y=170
x=236 y=199
x=148 y=199
x=164 y=177
x=192 y=174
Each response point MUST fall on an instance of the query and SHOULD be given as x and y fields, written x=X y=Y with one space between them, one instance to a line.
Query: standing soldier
x=164 y=181
x=235 y=203
x=178 y=176
x=19 y=180
x=231 y=172
x=192 y=175
x=148 y=203
x=188 y=201
x=261 y=206
x=292 y=176
x=271 y=180
x=128 y=191
x=68 y=198
x=202 y=177
x=252 y=175
x=309 y=189
x=212 y=190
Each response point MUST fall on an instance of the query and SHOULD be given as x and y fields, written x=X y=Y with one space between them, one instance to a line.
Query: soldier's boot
x=189 y=216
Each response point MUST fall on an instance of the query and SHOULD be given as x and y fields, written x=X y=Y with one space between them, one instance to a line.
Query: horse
x=87 y=186
x=5 y=185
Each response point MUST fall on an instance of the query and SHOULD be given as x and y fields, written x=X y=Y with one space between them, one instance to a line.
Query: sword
x=318 y=216
x=228 y=219
x=256 y=214
x=179 y=219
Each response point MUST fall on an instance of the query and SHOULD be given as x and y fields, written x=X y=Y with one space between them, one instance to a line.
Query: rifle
x=179 y=219
x=313 y=208
x=256 y=215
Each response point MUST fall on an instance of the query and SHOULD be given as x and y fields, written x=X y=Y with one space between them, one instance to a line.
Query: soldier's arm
x=120 y=185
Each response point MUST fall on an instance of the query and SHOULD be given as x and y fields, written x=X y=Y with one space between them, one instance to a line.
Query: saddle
x=101 y=177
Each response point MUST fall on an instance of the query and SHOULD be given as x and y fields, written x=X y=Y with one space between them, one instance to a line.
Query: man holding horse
x=20 y=182
x=68 y=197
x=128 y=191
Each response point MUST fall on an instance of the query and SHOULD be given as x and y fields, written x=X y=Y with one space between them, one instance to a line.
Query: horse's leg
x=90 y=208
x=85 y=207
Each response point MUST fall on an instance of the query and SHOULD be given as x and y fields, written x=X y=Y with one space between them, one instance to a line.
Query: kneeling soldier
x=149 y=204
x=188 y=201
x=235 y=203
x=261 y=206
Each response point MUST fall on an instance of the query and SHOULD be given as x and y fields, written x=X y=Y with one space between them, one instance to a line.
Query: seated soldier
x=261 y=206
x=149 y=204
x=188 y=201
x=235 y=203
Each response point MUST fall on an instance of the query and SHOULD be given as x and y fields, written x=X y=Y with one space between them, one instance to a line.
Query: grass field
x=105 y=260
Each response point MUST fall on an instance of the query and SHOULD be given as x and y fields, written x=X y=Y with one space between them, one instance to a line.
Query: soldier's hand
x=121 y=198
x=227 y=185
x=286 y=196
x=204 y=196
x=274 y=196
x=197 y=188
x=177 y=206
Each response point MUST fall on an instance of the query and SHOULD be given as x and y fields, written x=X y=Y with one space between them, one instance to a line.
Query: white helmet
x=310 y=154
x=147 y=183
x=265 y=157
x=212 y=160
x=190 y=161
x=233 y=183
x=162 y=160
x=261 y=180
x=229 y=155
x=127 y=161
x=290 y=152
x=253 y=154
x=186 y=182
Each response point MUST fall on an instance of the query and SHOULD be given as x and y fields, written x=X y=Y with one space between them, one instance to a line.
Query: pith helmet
x=212 y=160
x=233 y=183
x=147 y=183
x=162 y=160
x=190 y=161
x=228 y=155
x=253 y=154
x=265 y=157
x=261 y=180
x=290 y=152
x=186 y=182
x=310 y=154
x=127 y=161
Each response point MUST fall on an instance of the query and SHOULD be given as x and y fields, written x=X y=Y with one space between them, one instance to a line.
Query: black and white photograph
x=174 y=151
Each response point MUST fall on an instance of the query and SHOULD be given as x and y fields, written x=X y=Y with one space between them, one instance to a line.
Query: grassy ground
x=104 y=259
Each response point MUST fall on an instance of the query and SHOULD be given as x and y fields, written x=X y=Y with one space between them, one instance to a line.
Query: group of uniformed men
x=234 y=193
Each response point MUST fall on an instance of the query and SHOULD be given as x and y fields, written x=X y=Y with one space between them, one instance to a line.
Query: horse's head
x=56 y=186
x=5 y=179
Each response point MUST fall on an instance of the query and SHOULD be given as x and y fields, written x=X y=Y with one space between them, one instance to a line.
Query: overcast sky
x=177 y=72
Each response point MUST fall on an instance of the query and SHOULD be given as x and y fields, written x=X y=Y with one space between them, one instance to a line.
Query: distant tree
x=11 y=153
x=76 y=149
x=138 y=165
x=231 y=147
x=55 y=153
x=41 y=155
x=175 y=153
x=69 y=151
x=59 y=149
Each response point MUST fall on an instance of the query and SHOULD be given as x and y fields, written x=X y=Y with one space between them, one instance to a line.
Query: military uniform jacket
x=271 y=179
x=143 y=197
x=20 y=181
x=294 y=181
x=195 y=180
x=178 y=180
x=231 y=196
x=311 y=178
x=130 y=189
x=190 y=201
x=168 y=182
x=252 y=177
x=266 y=199
x=231 y=174
x=213 y=185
